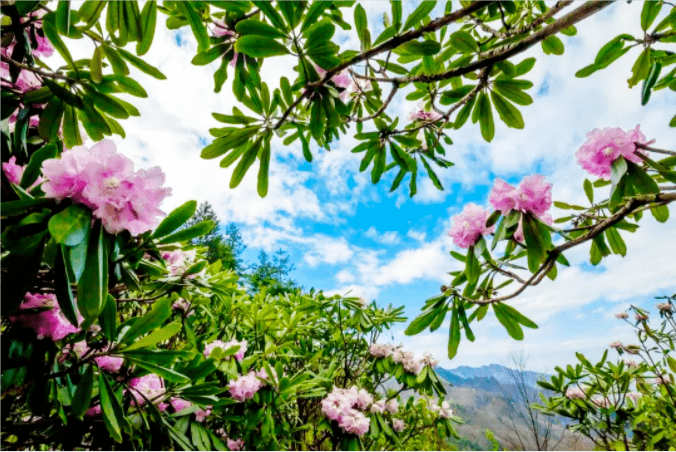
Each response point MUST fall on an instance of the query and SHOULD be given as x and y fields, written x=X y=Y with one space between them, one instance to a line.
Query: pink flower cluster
x=383 y=406
x=575 y=393
x=470 y=225
x=381 y=350
x=407 y=360
x=665 y=307
x=41 y=48
x=616 y=345
x=233 y=444
x=604 y=146
x=110 y=364
x=442 y=409
x=149 y=387
x=246 y=386
x=343 y=405
x=47 y=320
x=182 y=305
x=176 y=403
x=226 y=345
x=398 y=425
x=105 y=181
x=220 y=30
x=631 y=364
x=420 y=114
x=622 y=315
x=428 y=360
x=641 y=316
x=178 y=261
x=533 y=196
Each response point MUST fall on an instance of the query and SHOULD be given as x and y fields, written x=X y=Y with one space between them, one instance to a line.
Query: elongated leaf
x=50 y=120
x=264 y=169
x=197 y=230
x=472 y=267
x=485 y=114
x=92 y=288
x=110 y=406
x=141 y=65
x=259 y=46
x=423 y=9
x=195 y=21
x=464 y=42
x=164 y=372
x=83 y=393
x=71 y=225
x=454 y=334
x=552 y=45
x=517 y=316
x=649 y=13
x=245 y=163
x=108 y=318
x=96 y=65
x=62 y=287
x=153 y=338
x=661 y=213
x=509 y=114
x=63 y=17
x=176 y=219
x=50 y=32
x=512 y=327
x=615 y=241
x=148 y=22
x=256 y=27
x=160 y=312
x=71 y=128
x=422 y=321
x=32 y=171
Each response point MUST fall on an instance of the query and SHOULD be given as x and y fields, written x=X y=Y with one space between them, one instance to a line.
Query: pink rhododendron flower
x=234 y=444
x=355 y=422
x=94 y=411
x=381 y=350
x=575 y=393
x=47 y=323
x=13 y=171
x=398 y=425
x=470 y=225
x=41 y=47
x=428 y=360
x=664 y=307
x=443 y=410
x=245 y=387
x=109 y=363
x=631 y=364
x=343 y=405
x=149 y=387
x=622 y=315
x=641 y=316
x=392 y=406
x=663 y=379
x=267 y=379
x=616 y=345
x=226 y=345
x=178 y=262
x=201 y=415
x=604 y=146
x=105 y=181
x=420 y=114
x=533 y=196
x=378 y=407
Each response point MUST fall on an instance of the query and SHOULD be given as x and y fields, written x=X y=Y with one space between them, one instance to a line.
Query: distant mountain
x=464 y=375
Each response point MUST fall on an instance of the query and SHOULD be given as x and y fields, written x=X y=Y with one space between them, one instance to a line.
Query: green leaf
x=454 y=334
x=617 y=169
x=264 y=169
x=75 y=259
x=419 y=48
x=194 y=231
x=231 y=141
x=259 y=46
x=423 y=9
x=509 y=114
x=71 y=128
x=148 y=23
x=63 y=17
x=71 y=225
x=108 y=318
x=32 y=171
x=552 y=45
x=160 y=312
x=360 y=22
x=615 y=241
x=513 y=90
x=650 y=81
x=49 y=29
x=96 y=65
x=105 y=103
x=256 y=27
x=423 y=321
x=113 y=416
x=503 y=315
x=537 y=251
x=176 y=219
x=472 y=266
x=62 y=286
x=464 y=42
x=432 y=175
x=155 y=337
x=314 y=11
x=245 y=162
x=517 y=316
x=644 y=184
x=485 y=114
x=649 y=12
x=269 y=10
x=589 y=190
x=164 y=372
x=525 y=66
x=640 y=69
x=661 y=213
x=141 y=65
x=83 y=393
x=119 y=66
x=50 y=120
x=195 y=21
x=92 y=288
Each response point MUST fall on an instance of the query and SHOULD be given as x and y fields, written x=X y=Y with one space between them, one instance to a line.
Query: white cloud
x=386 y=238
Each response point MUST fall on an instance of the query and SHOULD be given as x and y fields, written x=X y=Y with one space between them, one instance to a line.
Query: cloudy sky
x=347 y=236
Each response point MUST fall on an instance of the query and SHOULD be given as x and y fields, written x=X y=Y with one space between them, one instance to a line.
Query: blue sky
x=346 y=235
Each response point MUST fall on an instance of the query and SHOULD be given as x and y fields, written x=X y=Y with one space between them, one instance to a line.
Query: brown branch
x=502 y=53
x=382 y=108
x=631 y=206
x=39 y=72
x=645 y=147
x=385 y=46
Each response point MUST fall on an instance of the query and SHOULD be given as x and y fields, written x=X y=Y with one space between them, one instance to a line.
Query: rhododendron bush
x=116 y=330
x=629 y=403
